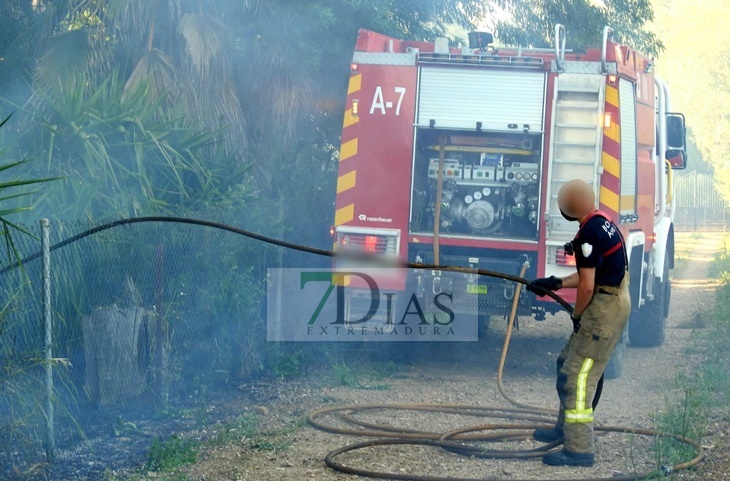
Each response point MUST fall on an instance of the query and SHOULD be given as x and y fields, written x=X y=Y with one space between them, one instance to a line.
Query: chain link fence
x=145 y=317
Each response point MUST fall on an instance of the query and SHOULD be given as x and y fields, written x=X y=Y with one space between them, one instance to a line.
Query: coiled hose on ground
x=530 y=417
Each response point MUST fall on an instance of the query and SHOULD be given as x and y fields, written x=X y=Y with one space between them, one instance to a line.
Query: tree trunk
x=113 y=351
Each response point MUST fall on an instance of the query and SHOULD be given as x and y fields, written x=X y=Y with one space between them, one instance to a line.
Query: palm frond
x=133 y=18
x=156 y=71
x=224 y=111
x=66 y=53
x=206 y=41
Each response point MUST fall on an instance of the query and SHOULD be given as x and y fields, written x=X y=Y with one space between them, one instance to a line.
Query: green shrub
x=170 y=454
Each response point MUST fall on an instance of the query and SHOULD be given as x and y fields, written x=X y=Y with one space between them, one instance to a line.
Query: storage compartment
x=490 y=188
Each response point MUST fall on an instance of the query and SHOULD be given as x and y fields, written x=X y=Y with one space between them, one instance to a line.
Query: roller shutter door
x=458 y=98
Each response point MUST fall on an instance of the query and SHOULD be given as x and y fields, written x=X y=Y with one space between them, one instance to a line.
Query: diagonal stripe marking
x=350 y=119
x=612 y=95
x=609 y=198
x=348 y=149
x=355 y=84
x=346 y=181
x=344 y=214
x=611 y=164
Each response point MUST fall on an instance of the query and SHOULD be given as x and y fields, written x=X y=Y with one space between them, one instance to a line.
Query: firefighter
x=600 y=314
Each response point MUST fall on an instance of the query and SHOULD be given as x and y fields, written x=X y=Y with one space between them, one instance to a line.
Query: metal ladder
x=576 y=142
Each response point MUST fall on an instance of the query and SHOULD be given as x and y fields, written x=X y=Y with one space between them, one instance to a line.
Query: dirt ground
x=465 y=373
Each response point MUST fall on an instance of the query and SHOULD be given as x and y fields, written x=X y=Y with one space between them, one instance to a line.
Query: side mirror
x=677 y=159
x=676 y=152
x=676 y=132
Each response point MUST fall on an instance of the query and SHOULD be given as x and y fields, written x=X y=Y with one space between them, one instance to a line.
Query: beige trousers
x=583 y=360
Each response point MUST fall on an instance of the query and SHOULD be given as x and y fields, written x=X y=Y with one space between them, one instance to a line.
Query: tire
x=483 y=326
x=615 y=365
x=647 y=326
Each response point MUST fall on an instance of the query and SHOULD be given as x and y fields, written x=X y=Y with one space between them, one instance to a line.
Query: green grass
x=684 y=414
x=171 y=453
x=714 y=371
x=236 y=430
x=288 y=365
x=346 y=375
x=168 y=458
x=697 y=393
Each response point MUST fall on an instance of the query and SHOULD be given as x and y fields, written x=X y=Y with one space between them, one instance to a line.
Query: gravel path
x=466 y=374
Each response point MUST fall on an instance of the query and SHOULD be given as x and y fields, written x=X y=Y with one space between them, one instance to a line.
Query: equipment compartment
x=490 y=187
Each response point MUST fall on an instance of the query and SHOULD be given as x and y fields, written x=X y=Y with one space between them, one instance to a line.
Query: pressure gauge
x=518 y=176
x=468 y=199
x=486 y=191
x=477 y=195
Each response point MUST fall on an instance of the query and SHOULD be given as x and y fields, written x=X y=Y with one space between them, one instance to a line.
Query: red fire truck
x=454 y=156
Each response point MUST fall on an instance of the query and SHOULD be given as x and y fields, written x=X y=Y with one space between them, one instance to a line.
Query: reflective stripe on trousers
x=580 y=414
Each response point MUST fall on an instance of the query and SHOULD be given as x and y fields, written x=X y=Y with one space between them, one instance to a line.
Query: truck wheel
x=615 y=365
x=647 y=326
x=483 y=320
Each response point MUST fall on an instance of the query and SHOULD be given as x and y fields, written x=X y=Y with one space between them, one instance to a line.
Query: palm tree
x=180 y=50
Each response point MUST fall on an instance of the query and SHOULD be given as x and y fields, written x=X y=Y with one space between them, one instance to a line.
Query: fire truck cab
x=454 y=156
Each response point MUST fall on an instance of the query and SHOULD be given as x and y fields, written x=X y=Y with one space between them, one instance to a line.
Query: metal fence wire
x=699 y=204
x=142 y=315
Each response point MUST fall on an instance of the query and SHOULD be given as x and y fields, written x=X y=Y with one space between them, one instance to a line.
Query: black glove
x=576 y=323
x=539 y=286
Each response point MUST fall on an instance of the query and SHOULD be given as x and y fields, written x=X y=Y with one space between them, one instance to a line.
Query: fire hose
x=531 y=417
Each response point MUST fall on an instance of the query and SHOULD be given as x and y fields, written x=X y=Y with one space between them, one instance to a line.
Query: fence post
x=160 y=331
x=46 y=299
x=695 y=207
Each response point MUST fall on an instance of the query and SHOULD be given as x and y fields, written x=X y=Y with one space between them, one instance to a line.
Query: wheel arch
x=635 y=243
x=663 y=247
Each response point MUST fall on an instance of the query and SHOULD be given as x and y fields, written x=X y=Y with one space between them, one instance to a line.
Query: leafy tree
x=531 y=22
x=695 y=66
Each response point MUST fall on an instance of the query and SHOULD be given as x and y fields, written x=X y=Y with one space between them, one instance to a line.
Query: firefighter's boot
x=568 y=458
x=548 y=435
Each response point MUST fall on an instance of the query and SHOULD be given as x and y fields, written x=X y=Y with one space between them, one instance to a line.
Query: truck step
x=574 y=144
x=584 y=90
x=573 y=162
x=578 y=106
x=577 y=126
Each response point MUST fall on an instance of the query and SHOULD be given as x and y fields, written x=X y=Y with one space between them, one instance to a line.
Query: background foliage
x=531 y=22
x=696 y=65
